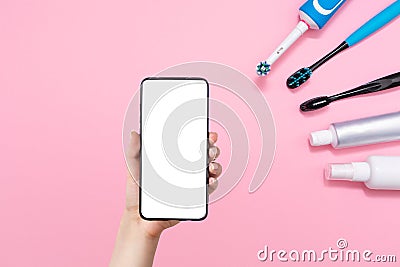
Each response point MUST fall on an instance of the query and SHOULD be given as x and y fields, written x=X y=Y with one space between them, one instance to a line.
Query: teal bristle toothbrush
x=314 y=14
x=371 y=26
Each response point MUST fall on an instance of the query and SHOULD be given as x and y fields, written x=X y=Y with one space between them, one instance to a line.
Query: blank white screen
x=174 y=134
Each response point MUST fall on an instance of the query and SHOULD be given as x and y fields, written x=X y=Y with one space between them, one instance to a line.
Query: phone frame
x=140 y=156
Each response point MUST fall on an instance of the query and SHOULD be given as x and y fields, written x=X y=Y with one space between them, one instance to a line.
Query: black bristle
x=315 y=103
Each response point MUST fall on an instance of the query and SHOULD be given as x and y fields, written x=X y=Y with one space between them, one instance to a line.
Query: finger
x=213 y=137
x=213 y=153
x=133 y=155
x=212 y=185
x=173 y=223
x=214 y=169
x=133 y=162
x=132 y=194
x=133 y=151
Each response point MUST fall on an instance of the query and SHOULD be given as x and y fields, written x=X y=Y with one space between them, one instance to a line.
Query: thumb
x=132 y=181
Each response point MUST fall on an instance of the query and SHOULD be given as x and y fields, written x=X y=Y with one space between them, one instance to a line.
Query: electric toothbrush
x=314 y=14
x=371 y=26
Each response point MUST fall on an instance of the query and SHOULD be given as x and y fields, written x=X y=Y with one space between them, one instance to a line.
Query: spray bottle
x=378 y=172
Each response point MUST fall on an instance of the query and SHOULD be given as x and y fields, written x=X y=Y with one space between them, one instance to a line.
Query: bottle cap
x=321 y=138
x=356 y=171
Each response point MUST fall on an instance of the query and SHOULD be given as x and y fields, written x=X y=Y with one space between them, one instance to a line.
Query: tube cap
x=356 y=171
x=321 y=138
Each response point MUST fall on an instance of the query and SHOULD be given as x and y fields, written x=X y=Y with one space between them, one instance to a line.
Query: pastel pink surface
x=68 y=70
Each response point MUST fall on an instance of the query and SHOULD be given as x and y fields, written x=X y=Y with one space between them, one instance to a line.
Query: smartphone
x=174 y=148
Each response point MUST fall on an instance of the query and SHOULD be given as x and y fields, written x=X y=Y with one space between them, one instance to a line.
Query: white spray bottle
x=378 y=172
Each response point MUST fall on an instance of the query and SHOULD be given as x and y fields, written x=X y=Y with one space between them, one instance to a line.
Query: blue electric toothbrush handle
x=318 y=12
x=374 y=24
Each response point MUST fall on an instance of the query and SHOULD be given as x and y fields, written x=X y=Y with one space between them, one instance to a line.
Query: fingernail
x=211 y=166
x=214 y=166
x=213 y=151
x=212 y=180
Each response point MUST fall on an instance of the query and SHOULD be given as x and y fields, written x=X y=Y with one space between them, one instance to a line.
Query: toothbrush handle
x=374 y=24
x=318 y=12
x=381 y=84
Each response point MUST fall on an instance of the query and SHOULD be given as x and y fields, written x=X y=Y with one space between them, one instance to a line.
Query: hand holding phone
x=137 y=239
x=154 y=228
x=174 y=149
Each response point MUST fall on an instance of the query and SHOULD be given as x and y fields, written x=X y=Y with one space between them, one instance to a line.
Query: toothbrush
x=314 y=14
x=381 y=84
x=371 y=26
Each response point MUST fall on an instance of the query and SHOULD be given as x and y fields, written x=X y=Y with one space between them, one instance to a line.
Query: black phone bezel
x=140 y=155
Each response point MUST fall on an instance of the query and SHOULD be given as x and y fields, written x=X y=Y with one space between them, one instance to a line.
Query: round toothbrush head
x=298 y=78
x=315 y=103
x=263 y=68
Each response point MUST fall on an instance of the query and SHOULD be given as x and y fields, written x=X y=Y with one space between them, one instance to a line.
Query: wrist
x=133 y=247
x=135 y=227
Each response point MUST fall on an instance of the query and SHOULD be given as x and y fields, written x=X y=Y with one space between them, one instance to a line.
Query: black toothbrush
x=381 y=84
x=302 y=75
x=370 y=27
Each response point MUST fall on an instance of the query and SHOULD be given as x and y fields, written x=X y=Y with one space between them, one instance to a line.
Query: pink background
x=67 y=72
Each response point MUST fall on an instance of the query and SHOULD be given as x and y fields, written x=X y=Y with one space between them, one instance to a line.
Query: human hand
x=137 y=239
x=155 y=228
